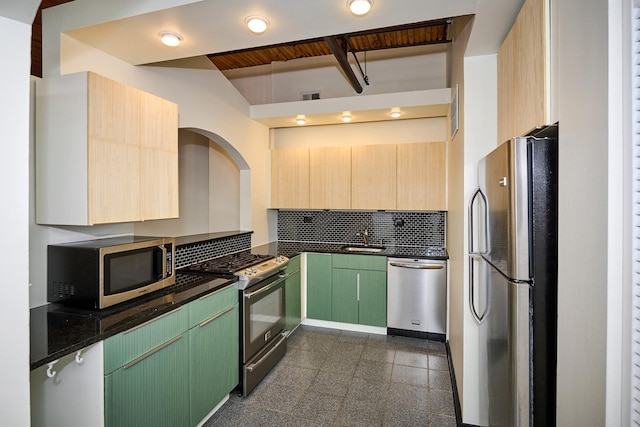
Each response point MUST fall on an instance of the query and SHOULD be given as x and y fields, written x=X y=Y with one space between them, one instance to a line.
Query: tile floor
x=340 y=378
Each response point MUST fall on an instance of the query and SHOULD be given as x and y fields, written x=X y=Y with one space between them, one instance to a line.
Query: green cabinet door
x=213 y=361
x=359 y=289
x=151 y=390
x=292 y=294
x=373 y=298
x=344 y=295
x=319 y=286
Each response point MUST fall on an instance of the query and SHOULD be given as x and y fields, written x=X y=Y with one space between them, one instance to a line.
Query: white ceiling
x=211 y=26
x=129 y=30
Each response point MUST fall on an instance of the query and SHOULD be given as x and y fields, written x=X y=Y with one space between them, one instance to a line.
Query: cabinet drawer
x=360 y=262
x=126 y=346
x=213 y=303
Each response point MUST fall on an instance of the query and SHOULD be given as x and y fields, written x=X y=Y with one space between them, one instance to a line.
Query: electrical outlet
x=398 y=222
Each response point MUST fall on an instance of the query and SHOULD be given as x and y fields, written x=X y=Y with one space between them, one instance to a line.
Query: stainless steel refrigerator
x=513 y=263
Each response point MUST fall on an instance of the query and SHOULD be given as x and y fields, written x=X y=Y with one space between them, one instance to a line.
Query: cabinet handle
x=266 y=288
x=151 y=352
x=253 y=366
x=215 y=316
x=417 y=266
x=214 y=292
x=151 y=321
x=358 y=286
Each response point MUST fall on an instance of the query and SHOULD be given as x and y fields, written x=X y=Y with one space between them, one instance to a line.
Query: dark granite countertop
x=291 y=249
x=58 y=330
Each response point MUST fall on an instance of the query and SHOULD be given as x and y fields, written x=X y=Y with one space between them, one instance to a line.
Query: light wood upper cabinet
x=330 y=177
x=373 y=177
x=523 y=72
x=159 y=151
x=105 y=152
x=290 y=178
x=421 y=176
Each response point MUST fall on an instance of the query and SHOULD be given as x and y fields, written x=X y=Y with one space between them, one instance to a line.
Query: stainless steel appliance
x=417 y=297
x=513 y=278
x=103 y=272
x=261 y=281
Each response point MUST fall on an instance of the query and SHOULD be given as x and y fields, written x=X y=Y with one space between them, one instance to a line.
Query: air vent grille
x=308 y=96
x=63 y=290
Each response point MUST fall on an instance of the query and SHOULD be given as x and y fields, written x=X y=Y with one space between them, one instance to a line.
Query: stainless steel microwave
x=101 y=273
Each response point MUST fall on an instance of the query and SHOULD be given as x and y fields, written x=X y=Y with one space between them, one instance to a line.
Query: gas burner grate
x=228 y=264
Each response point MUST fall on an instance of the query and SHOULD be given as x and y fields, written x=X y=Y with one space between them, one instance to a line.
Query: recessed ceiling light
x=395 y=114
x=346 y=118
x=300 y=121
x=359 y=7
x=169 y=38
x=257 y=24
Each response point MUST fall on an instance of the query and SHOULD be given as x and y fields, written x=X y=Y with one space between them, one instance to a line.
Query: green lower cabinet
x=319 y=286
x=293 y=312
x=344 y=296
x=213 y=361
x=359 y=290
x=152 y=389
x=373 y=298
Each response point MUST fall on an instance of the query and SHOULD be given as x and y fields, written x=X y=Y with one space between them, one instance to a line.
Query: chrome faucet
x=365 y=236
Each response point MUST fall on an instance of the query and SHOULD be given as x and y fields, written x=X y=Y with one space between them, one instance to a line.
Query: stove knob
x=247 y=272
x=254 y=270
x=279 y=260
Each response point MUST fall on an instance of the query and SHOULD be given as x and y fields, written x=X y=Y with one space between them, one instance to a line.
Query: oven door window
x=132 y=269
x=264 y=317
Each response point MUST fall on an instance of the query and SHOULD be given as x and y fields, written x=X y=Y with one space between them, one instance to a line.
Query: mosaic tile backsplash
x=201 y=251
x=415 y=229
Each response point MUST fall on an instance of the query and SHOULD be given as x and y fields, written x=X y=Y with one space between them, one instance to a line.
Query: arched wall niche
x=214 y=187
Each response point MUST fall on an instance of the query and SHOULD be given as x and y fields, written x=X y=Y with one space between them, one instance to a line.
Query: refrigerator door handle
x=478 y=192
x=477 y=317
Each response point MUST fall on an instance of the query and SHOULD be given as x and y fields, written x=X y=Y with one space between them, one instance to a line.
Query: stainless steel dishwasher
x=417 y=298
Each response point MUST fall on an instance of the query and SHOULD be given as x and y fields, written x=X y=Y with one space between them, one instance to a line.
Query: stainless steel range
x=262 y=320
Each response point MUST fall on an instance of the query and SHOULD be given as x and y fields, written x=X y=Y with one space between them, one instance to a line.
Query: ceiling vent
x=308 y=96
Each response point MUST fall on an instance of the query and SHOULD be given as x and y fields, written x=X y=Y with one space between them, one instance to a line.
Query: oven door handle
x=266 y=288
x=281 y=339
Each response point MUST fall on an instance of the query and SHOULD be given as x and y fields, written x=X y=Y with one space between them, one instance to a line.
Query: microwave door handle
x=163 y=261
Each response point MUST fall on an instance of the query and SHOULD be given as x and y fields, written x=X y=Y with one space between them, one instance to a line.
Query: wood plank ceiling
x=416 y=34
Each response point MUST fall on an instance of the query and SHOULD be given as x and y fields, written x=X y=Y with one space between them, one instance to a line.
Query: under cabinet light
x=300 y=121
x=346 y=118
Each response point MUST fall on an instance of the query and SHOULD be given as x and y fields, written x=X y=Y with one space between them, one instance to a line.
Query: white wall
x=387 y=132
x=14 y=214
x=582 y=98
x=286 y=81
x=481 y=136
x=224 y=190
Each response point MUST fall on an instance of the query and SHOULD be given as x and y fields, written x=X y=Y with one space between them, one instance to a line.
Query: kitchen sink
x=373 y=249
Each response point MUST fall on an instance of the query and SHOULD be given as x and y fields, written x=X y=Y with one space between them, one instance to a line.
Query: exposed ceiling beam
x=340 y=52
